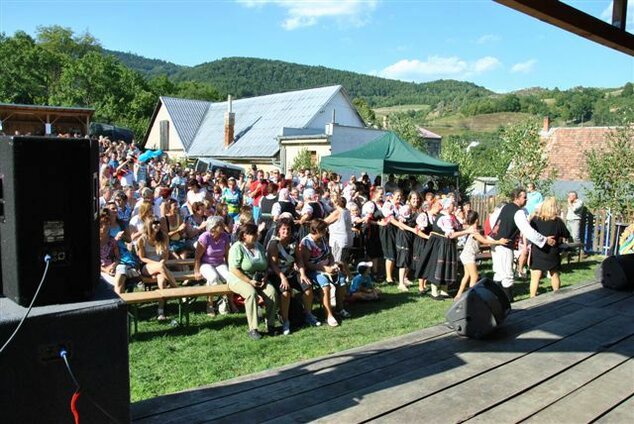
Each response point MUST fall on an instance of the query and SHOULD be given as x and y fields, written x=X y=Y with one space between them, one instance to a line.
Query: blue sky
x=420 y=40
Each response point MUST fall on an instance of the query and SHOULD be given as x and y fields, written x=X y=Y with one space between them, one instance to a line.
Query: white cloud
x=488 y=38
x=524 y=67
x=486 y=64
x=307 y=13
x=606 y=15
x=438 y=67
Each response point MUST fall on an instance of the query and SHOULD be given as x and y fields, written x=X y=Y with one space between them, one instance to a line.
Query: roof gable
x=186 y=116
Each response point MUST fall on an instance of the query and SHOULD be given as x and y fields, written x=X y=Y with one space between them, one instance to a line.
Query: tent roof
x=388 y=154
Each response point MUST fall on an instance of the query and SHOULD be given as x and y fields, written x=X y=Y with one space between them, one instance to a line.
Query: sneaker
x=344 y=314
x=402 y=288
x=255 y=335
x=332 y=322
x=211 y=311
x=286 y=328
x=312 y=320
x=161 y=316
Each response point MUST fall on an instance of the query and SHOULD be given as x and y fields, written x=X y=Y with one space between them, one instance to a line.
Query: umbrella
x=145 y=156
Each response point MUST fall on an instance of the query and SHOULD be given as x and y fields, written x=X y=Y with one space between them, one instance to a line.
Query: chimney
x=230 y=123
x=546 y=124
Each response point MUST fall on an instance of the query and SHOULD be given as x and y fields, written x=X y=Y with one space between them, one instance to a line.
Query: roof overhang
x=574 y=20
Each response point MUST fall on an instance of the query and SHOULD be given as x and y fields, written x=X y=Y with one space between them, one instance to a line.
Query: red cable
x=73 y=406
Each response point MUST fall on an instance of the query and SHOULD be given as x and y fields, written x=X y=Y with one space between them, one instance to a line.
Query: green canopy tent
x=388 y=154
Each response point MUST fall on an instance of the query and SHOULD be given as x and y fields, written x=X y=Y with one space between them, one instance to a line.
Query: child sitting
x=362 y=286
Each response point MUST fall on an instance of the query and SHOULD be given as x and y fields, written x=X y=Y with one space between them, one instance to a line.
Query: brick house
x=566 y=148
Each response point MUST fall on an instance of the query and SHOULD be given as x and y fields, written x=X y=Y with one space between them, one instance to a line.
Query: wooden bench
x=134 y=299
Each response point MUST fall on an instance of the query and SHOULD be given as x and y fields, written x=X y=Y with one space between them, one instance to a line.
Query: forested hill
x=148 y=67
x=248 y=77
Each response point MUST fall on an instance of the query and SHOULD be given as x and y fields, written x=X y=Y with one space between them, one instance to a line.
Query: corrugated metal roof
x=186 y=116
x=259 y=121
x=425 y=133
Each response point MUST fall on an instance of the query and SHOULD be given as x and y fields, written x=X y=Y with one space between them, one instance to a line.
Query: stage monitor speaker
x=49 y=206
x=36 y=387
x=480 y=310
x=617 y=272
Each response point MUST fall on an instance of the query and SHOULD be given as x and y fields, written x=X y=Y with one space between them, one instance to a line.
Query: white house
x=267 y=131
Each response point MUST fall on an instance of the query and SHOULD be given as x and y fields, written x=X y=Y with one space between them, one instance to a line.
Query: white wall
x=175 y=144
x=345 y=113
x=343 y=138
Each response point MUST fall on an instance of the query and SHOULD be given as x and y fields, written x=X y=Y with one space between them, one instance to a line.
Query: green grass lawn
x=166 y=359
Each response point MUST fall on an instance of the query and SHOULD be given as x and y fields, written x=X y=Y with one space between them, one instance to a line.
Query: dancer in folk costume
x=405 y=221
x=388 y=232
x=438 y=262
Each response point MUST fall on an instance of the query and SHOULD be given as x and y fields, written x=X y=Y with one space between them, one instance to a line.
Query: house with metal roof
x=266 y=131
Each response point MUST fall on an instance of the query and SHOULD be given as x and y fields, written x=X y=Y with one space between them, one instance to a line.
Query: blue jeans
x=322 y=279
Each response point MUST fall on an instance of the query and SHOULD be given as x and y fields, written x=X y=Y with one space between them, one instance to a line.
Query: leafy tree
x=23 y=70
x=628 y=90
x=524 y=151
x=455 y=149
x=63 y=41
x=364 y=110
x=118 y=94
x=406 y=129
x=197 y=91
x=611 y=169
x=303 y=160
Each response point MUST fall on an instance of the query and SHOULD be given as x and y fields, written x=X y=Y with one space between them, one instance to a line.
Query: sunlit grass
x=166 y=359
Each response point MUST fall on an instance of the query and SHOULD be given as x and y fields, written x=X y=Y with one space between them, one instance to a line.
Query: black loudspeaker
x=480 y=310
x=617 y=272
x=50 y=201
x=36 y=387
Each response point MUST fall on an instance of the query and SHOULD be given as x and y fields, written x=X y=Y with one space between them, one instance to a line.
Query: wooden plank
x=574 y=20
x=537 y=398
x=435 y=358
x=485 y=377
x=156 y=406
x=363 y=367
x=154 y=295
x=593 y=399
x=622 y=413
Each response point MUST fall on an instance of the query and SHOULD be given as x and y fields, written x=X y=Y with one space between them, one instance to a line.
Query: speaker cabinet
x=35 y=386
x=49 y=206
x=617 y=272
x=480 y=310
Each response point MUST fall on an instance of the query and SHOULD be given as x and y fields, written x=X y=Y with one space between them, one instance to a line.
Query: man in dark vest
x=509 y=223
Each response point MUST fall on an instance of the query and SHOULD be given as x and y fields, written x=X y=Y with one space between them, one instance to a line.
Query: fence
x=600 y=231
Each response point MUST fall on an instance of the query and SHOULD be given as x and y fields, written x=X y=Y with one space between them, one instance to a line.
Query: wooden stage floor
x=561 y=358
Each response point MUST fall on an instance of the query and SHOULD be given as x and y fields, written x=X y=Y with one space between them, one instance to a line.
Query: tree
x=303 y=160
x=118 y=94
x=364 y=110
x=24 y=76
x=406 y=129
x=628 y=90
x=455 y=149
x=524 y=151
x=611 y=170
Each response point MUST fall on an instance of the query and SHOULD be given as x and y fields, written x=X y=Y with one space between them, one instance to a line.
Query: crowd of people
x=280 y=239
